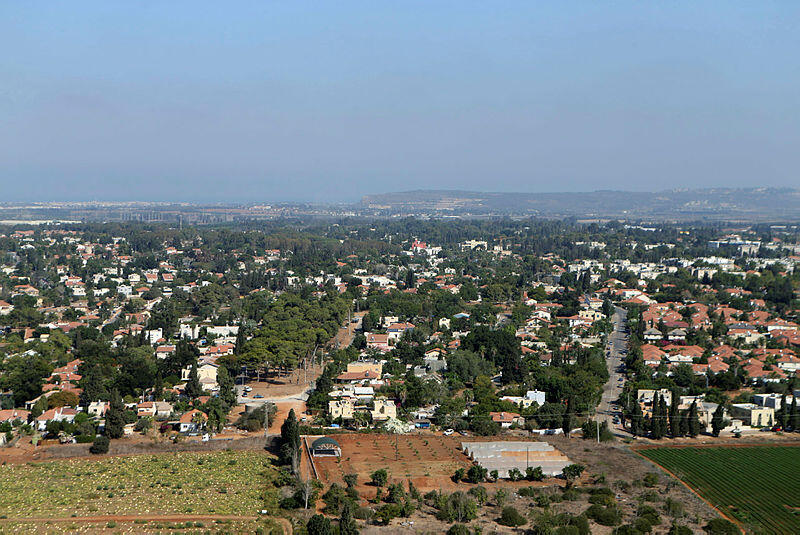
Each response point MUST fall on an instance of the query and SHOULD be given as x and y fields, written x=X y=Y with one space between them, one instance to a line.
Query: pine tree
x=717 y=420
x=694 y=421
x=115 y=416
x=193 y=388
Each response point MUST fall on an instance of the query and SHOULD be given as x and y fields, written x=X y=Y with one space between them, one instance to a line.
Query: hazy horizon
x=271 y=102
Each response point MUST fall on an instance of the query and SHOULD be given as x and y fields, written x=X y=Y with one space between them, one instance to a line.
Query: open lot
x=187 y=483
x=427 y=460
x=755 y=486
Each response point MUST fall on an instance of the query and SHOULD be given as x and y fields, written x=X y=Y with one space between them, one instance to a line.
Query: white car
x=448 y=432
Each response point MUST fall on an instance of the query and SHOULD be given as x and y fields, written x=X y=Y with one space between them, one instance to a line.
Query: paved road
x=615 y=348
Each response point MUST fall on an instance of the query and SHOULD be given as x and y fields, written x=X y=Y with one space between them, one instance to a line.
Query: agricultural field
x=227 y=483
x=757 y=486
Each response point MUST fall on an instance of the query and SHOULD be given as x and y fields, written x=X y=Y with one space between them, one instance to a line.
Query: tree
x=193 y=388
x=290 y=442
x=674 y=418
x=347 y=526
x=694 y=421
x=476 y=474
x=718 y=420
x=115 y=416
x=636 y=419
x=794 y=416
x=319 y=525
x=566 y=423
x=511 y=517
x=572 y=472
x=226 y=392
x=379 y=477
x=100 y=445
x=534 y=474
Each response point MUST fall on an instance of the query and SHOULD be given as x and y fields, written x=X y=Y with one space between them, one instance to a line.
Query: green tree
x=379 y=477
x=347 y=526
x=319 y=525
x=115 y=416
x=718 y=420
x=572 y=472
x=694 y=421
x=193 y=388
x=511 y=517
x=226 y=392
x=100 y=445
x=290 y=442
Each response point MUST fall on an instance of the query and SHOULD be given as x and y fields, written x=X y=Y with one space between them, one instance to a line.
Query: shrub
x=673 y=508
x=100 y=445
x=458 y=475
x=650 y=479
x=720 y=526
x=602 y=496
x=379 y=477
x=534 y=474
x=568 y=530
x=476 y=474
x=627 y=529
x=606 y=516
x=571 y=495
x=511 y=517
x=649 y=513
x=679 y=530
x=458 y=529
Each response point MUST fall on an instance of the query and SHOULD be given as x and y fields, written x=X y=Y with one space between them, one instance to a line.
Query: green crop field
x=758 y=486
x=219 y=483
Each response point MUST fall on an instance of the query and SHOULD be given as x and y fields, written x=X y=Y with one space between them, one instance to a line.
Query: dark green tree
x=718 y=420
x=193 y=388
x=226 y=392
x=319 y=525
x=694 y=421
x=115 y=416
x=347 y=526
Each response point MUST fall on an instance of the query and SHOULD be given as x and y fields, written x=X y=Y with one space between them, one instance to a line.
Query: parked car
x=448 y=432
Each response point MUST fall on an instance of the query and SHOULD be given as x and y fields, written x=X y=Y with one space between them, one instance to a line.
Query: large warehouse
x=504 y=456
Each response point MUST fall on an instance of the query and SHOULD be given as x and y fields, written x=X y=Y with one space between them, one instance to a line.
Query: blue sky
x=267 y=101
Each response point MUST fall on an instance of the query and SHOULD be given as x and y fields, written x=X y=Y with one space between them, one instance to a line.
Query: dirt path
x=285 y=524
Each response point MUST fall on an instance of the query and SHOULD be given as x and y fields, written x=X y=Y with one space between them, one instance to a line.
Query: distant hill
x=740 y=204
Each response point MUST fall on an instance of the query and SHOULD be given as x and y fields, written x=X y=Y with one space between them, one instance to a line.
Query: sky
x=328 y=101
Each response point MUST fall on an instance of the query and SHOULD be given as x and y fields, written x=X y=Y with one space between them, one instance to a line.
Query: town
x=448 y=355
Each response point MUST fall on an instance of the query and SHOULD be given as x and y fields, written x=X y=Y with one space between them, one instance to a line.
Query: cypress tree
x=674 y=419
x=115 y=417
x=694 y=421
x=225 y=382
x=717 y=420
x=193 y=389
x=636 y=419
x=794 y=416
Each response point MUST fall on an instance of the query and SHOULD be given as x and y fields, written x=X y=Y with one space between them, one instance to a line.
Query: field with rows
x=758 y=486
x=218 y=483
